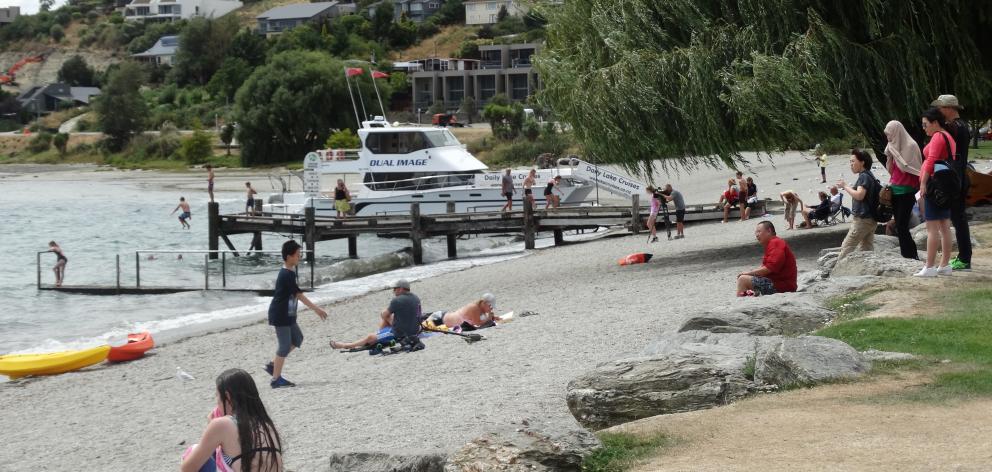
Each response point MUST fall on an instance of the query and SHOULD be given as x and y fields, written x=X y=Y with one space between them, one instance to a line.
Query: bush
x=60 y=141
x=197 y=148
x=343 y=139
x=842 y=145
x=57 y=33
x=40 y=143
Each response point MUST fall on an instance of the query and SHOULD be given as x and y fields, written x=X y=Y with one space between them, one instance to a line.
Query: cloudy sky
x=27 y=6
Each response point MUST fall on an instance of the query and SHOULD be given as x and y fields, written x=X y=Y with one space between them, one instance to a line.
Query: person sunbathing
x=476 y=315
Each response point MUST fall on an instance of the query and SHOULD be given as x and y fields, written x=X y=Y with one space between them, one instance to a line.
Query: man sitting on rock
x=778 y=268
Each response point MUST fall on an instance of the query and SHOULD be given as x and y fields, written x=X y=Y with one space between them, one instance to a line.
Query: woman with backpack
x=863 y=192
x=903 y=163
x=940 y=148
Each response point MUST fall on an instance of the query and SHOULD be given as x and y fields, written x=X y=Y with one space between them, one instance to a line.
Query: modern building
x=415 y=10
x=9 y=14
x=172 y=10
x=54 y=97
x=504 y=69
x=162 y=53
x=485 y=12
x=287 y=17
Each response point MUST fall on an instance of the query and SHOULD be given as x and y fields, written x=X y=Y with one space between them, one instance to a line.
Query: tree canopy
x=120 y=108
x=698 y=81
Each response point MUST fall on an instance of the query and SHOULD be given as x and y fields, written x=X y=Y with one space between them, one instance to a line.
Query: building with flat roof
x=9 y=14
x=503 y=69
x=287 y=17
x=162 y=53
x=172 y=10
x=485 y=12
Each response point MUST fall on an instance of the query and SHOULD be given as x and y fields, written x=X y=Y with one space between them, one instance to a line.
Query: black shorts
x=528 y=191
x=251 y=203
x=680 y=216
x=547 y=193
x=508 y=195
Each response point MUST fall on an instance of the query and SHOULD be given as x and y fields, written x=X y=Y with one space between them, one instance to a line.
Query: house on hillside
x=53 y=97
x=287 y=17
x=485 y=12
x=415 y=10
x=162 y=53
x=172 y=10
x=9 y=14
x=503 y=69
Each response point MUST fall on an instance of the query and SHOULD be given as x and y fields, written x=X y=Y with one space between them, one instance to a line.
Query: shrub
x=40 y=143
x=343 y=139
x=60 y=141
x=57 y=32
x=197 y=148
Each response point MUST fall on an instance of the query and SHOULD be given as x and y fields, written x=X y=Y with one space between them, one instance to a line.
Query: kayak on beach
x=20 y=365
x=136 y=346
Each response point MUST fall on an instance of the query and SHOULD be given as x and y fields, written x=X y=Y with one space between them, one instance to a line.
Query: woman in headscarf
x=903 y=163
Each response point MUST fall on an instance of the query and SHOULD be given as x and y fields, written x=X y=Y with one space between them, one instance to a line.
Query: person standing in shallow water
x=60 y=263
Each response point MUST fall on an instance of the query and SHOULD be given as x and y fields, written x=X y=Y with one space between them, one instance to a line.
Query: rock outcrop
x=382 y=462
x=788 y=314
x=807 y=360
x=882 y=264
x=526 y=448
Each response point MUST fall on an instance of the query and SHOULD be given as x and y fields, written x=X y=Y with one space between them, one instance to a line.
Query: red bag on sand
x=636 y=258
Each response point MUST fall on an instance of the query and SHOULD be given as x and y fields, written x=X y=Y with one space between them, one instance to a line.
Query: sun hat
x=947 y=101
x=402 y=283
x=490 y=299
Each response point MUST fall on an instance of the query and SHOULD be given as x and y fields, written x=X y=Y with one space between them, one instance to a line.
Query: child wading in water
x=282 y=313
x=240 y=435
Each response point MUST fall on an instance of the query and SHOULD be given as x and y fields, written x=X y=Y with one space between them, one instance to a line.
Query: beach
x=590 y=310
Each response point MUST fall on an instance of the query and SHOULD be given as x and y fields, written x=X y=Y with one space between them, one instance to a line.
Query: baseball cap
x=490 y=299
x=947 y=101
x=402 y=283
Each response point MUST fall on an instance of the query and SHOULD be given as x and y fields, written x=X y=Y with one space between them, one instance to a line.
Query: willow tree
x=699 y=81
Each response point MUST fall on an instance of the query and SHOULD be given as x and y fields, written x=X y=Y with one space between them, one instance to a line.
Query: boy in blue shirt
x=282 y=313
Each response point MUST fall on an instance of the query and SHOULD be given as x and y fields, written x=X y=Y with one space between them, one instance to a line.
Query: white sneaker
x=926 y=272
x=946 y=270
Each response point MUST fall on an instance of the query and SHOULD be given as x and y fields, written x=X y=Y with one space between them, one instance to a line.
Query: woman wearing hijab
x=903 y=163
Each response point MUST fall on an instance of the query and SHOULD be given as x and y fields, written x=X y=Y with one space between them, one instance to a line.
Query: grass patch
x=621 y=451
x=961 y=333
x=853 y=306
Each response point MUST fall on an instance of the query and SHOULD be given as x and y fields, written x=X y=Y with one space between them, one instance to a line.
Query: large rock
x=695 y=370
x=787 y=314
x=807 y=360
x=883 y=264
x=526 y=448
x=832 y=286
x=381 y=462
x=920 y=237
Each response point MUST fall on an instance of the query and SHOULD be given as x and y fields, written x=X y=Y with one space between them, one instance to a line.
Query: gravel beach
x=589 y=309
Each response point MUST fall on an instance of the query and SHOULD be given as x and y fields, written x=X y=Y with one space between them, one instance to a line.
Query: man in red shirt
x=777 y=273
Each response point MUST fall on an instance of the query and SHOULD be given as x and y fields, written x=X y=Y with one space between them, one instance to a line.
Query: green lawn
x=621 y=451
x=984 y=151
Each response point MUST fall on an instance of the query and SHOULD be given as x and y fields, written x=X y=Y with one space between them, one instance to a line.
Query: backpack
x=944 y=187
x=879 y=200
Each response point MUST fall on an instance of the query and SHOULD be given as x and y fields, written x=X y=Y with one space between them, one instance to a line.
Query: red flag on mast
x=379 y=75
x=353 y=71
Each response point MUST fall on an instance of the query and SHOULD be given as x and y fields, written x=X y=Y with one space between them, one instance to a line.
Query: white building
x=171 y=10
x=162 y=53
x=484 y=12
x=9 y=14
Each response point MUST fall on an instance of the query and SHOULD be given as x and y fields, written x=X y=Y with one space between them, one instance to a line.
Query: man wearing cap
x=475 y=315
x=400 y=320
x=950 y=108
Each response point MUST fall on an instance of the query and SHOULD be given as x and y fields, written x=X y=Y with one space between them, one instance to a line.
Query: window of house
x=492 y=6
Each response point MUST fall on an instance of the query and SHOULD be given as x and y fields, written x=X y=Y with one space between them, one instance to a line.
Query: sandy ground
x=591 y=310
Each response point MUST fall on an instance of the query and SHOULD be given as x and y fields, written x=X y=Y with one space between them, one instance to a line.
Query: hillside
x=443 y=44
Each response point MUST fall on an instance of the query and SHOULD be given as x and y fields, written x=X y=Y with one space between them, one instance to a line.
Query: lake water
x=94 y=220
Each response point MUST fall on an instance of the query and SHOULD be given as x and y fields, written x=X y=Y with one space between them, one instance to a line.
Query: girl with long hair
x=240 y=435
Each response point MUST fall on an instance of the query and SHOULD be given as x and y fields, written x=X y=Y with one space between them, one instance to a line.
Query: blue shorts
x=184 y=215
x=288 y=336
x=933 y=213
x=385 y=336
x=762 y=285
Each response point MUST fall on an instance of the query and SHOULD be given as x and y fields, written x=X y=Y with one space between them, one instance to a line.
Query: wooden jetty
x=417 y=227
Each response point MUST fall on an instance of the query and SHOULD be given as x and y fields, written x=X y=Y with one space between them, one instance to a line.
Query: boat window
x=442 y=137
x=417 y=180
x=396 y=142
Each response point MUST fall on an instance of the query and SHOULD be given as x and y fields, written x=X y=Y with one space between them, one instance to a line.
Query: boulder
x=382 y=462
x=680 y=372
x=526 y=448
x=807 y=360
x=883 y=264
x=920 y=237
x=883 y=243
x=829 y=287
x=695 y=370
x=873 y=355
x=788 y=314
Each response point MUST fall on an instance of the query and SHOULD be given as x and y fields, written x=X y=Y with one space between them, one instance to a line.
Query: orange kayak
x=137 y=345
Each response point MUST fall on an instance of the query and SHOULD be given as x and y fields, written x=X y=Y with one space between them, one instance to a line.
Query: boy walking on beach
x=282 y=313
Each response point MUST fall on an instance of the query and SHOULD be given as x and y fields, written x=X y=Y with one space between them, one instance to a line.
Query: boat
x=980 y=192
x=136 y=346
x=20 y=365
x=399 y=165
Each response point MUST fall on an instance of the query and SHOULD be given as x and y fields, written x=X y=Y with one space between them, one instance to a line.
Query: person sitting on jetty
x=728 y=199
x=399 y=321
x=819 y=212
x=476 y=315
x=778 y=271
x=282 y=313
x=792 y=203
x=240 y=435
x=185 y=215
x=752 y=199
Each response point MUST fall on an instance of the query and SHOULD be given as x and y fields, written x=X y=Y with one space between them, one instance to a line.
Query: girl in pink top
x=940 y=147
x=653 y=217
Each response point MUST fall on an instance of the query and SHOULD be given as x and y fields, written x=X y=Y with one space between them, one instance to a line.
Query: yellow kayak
x=19 y=365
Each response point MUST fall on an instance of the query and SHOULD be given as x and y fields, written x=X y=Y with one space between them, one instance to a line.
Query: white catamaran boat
x=397 y=166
